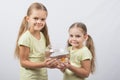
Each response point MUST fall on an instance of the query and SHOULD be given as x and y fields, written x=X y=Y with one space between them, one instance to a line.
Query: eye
x=77 y=36
x=43 y=19
x=35 y=18
x=71 y=35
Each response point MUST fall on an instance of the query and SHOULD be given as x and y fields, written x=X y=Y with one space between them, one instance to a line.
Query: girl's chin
x=75 y=44
x=37 y=29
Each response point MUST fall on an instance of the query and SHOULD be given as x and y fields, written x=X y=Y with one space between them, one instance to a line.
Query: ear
x=27 y=18
x=86 y=37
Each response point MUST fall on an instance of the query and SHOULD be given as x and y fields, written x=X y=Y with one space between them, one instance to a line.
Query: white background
x=102 y=18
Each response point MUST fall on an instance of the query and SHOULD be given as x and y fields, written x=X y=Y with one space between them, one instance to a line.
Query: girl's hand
x=62 y=65
x=50 y=62
x=67 y=64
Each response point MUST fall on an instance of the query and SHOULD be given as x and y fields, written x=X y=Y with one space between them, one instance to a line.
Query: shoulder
x=85 y=49
x=25 y=34
x=86 y=54
x=24 y=38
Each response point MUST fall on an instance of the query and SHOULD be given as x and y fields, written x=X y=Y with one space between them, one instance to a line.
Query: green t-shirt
x=76 y=56
x=37 y=54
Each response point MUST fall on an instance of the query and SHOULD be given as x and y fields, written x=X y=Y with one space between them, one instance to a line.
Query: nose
x=74 y=38
x=39 y=20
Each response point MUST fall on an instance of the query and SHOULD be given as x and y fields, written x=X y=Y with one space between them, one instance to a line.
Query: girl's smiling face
x=76 y=37
x=37 y=19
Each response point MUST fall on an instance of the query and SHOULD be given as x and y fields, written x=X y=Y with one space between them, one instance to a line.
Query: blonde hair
x=24 y=25
x=89 y=42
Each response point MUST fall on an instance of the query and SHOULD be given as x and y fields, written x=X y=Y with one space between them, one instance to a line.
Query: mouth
x=74 y=43
x=38 y=24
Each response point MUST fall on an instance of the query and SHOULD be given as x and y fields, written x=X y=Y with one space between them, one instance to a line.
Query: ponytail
x=90 y=45
x=23 y=28
x=45 y=32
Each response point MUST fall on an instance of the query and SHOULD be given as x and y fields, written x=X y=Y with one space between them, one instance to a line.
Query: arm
x=25 y=62
x=83 y=71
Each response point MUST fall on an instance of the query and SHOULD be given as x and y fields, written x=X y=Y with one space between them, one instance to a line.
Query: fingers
x=57 y=63
x=63 y=64
x=51 y=63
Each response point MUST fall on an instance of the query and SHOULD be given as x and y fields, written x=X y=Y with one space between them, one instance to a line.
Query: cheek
x=43 y=24
x=70 y=40
x=31 y=23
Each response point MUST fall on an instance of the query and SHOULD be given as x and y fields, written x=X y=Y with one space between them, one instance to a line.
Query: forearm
x=81 y=72
x=32 y=65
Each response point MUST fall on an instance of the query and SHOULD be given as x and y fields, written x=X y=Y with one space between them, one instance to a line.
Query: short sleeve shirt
x=37 y=54
x=37 y=47
x=76 y=56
